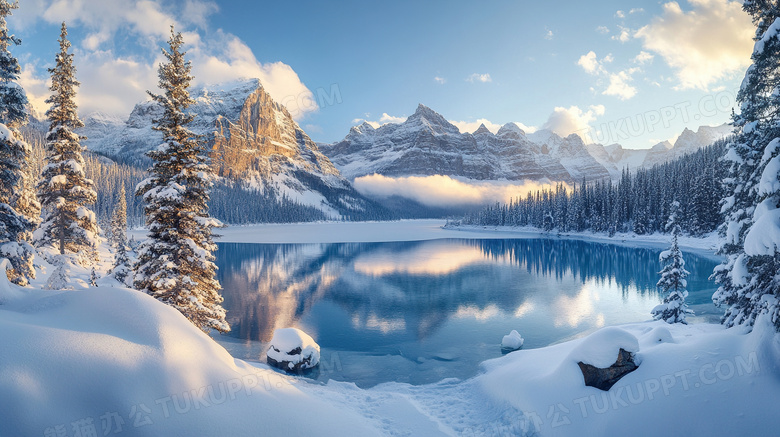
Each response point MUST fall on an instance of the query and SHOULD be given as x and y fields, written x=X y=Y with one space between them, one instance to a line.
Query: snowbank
x=109 y=359
x=692 y=380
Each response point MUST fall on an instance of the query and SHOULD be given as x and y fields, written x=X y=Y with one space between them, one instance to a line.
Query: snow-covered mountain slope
x=688 y=141
x=254 y=141
x=615 y=158
x=427 y=144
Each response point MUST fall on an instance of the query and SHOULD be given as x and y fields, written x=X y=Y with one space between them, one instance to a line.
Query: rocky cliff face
x=427 y=144
x=254 y=141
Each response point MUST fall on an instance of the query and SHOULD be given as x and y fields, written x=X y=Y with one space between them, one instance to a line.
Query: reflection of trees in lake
x=267 y=286
x=397 y=289
x=604 y=263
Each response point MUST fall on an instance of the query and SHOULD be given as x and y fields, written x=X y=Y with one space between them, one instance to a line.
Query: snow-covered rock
x=512 y=341
x=605 y=356
x=293 y=350
x=601 y=348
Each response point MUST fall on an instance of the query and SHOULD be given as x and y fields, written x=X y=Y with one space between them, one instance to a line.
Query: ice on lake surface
x=419 y=312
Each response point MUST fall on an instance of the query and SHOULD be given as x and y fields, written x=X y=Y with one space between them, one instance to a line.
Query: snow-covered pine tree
x=749 y=284
x=122 y=266
x=673 y=283
x=69 y=225
x=15 y=226
x=176 y=263
x=60 y=277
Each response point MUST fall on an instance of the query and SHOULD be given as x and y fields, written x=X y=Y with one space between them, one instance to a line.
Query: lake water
x=419 y=312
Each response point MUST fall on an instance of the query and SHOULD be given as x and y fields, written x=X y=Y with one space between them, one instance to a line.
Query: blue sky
x=612 y=71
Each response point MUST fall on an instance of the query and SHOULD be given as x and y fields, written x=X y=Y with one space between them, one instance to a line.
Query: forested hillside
x=640 y=201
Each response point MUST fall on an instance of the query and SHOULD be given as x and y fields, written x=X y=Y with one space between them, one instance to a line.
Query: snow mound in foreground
x=106 y=360
x=294 y=347
x=512 y=341
x=724 y=380
x=601 y=348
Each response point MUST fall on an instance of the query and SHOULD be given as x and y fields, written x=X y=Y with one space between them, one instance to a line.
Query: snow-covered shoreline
x=432 y=229
x=107 y=359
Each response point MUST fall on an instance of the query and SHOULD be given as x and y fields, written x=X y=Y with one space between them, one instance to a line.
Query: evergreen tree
x=60 y=277
x=176 y=263
x=121 y=269
x=673 y=283
x=748 y=280
x=15 y=225
x=93 y=277
x=64 y=190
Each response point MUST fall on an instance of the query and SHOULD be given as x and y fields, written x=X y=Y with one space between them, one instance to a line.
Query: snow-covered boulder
x=293 y=350
x=605 y=356
x=512 y=341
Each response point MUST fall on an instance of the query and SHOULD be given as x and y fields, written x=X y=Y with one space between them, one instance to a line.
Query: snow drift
x=114 y=359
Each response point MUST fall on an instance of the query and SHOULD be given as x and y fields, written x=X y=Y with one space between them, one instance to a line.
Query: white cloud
x=704 y=45
x=374 y=124
x=602 y=30
x=443 y=191
x=440 y=80
x=113 y=81
x=527 y=129
x=589 y=63
x=573 y=120
x=476 y=77
x=636 y=11
x=620 y=14
x=623 y=36
x=643 y=57
x=618 y=84
x=36 y=88
x=592 y=65
x=549 y=35
x=384 y=119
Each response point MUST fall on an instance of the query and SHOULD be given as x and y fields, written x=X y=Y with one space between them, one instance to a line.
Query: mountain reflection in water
x=446 y=300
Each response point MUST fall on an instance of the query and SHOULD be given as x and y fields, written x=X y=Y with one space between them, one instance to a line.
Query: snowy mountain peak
x=688 y=142
x=425 y=116
x=511 y=130
x=254 y=141
x=482 y=130
x=542 y=136
x=361 y=129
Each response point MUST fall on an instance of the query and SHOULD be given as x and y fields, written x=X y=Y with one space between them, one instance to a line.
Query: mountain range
x=427 y=144
x=257 y=147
